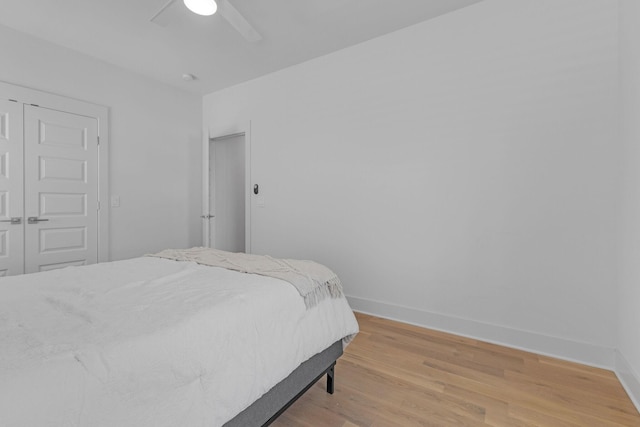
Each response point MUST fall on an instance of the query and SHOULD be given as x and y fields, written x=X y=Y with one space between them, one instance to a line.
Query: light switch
x=115 y=201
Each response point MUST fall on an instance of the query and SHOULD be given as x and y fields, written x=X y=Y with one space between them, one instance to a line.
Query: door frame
x=209 y=136
x=37 y=98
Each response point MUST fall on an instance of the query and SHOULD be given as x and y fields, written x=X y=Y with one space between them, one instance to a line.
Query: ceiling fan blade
x=161 y=18
x=237 y=21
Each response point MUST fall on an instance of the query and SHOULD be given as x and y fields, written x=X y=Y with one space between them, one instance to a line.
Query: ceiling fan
x=209 y=7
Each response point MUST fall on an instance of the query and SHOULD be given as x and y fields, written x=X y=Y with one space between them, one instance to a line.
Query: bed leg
x=330 y=374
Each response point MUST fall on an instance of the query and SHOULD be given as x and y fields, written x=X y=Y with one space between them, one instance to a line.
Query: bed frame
x=272 y=404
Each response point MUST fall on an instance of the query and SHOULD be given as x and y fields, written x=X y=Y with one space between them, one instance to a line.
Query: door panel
x=47 y=267
x=61 y=185
x=11 y=189
x=61 y=204
x=60 y=168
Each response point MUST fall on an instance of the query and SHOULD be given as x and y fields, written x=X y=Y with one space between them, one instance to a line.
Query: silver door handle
x=14 y=220
x=207 y=216
x=35 y=220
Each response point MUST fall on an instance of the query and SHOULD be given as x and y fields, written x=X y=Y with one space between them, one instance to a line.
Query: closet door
x=61 y=183
x=11 y=190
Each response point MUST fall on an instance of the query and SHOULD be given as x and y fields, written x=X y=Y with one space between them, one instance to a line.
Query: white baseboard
x=587 y=354
x=629 y=378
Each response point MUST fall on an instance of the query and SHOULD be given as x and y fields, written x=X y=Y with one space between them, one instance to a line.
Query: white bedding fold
x=313 y=281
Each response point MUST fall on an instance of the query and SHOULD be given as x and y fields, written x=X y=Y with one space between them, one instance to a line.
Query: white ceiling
x=293 y=31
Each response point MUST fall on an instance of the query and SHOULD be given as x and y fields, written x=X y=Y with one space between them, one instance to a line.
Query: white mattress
x=151 y=342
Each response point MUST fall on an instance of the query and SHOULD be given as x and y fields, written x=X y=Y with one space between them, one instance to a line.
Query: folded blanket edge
x=312 y=288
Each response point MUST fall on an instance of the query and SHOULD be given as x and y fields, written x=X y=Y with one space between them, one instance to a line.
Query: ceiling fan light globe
x=201 y=7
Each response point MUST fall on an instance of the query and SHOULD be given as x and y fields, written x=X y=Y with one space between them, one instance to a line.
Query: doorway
x=61 y=189
x=227 y=217
x=53 y=174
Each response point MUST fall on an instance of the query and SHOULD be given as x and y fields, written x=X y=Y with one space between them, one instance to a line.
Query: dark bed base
x=273 y=403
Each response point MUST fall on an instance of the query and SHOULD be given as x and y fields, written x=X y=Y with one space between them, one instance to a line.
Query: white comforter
x=151 y=342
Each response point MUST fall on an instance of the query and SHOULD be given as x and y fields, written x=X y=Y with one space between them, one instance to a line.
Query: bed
x=162 y=341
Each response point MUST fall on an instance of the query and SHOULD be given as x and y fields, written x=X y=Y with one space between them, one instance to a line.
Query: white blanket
x=313 y=281
x=151 y=342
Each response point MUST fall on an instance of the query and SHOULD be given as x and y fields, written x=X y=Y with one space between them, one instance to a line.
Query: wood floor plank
x=394 y=374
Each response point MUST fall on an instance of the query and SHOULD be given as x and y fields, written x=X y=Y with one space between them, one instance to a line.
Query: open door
x=227 y=182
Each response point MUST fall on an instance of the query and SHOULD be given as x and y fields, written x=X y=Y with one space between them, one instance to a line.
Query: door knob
x=14 y=220
x=35 y=220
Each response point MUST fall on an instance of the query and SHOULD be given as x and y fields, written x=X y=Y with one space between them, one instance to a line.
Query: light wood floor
x=394 y=374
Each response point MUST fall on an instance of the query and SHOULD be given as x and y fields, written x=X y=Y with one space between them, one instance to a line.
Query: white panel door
x=61 y=183
x=11 y=190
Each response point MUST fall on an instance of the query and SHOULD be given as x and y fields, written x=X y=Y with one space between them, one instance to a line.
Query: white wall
x=155 y=141
x=460 y=173
x=628 y=361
